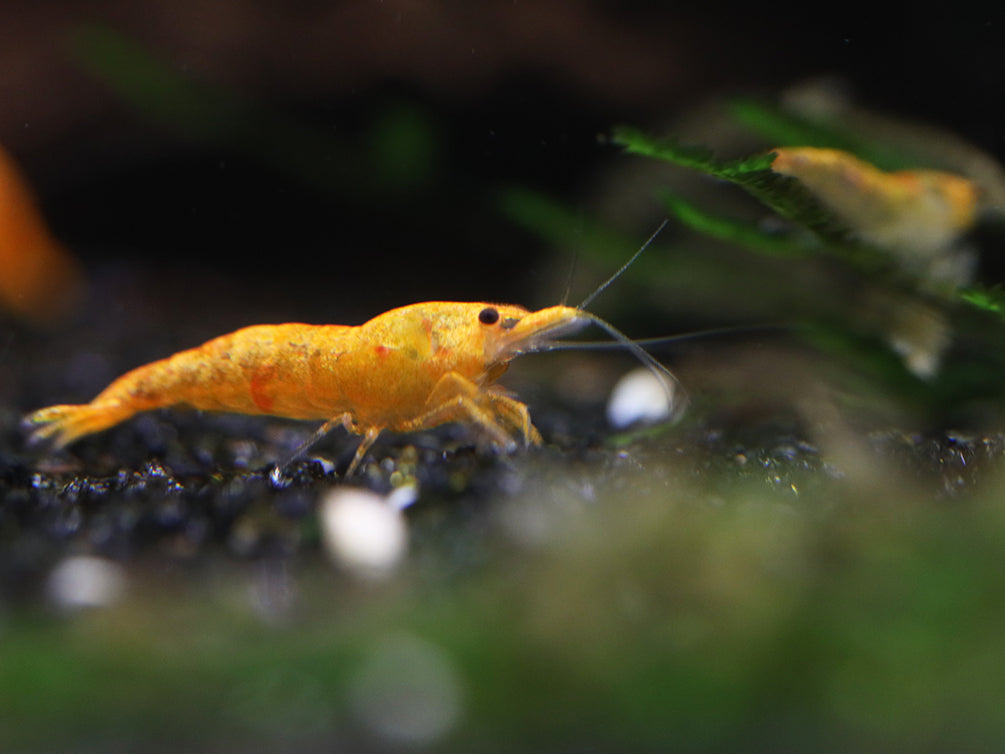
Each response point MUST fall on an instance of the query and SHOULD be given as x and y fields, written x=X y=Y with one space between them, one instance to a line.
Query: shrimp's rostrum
x=407 y=369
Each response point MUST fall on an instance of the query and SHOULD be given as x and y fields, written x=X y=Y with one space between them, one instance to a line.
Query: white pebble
x=639 y=396
x=363 y=532
x=84 y=581
x=402 y=497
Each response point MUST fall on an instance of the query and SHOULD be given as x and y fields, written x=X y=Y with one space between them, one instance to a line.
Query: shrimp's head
x=509 y=331
x=473 y=338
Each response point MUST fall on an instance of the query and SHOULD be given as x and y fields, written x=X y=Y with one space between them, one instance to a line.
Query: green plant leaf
x=561 y=224
x=988 y=299
x=735 y=231
x=170 y=97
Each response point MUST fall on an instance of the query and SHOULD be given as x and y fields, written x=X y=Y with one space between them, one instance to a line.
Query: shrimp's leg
x=457 y=399
x=369 y=437
x=342 y=419
x=516 y=414
x=345 y=420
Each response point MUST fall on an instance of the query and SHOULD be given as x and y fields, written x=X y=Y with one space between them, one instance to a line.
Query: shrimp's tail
x=61 y=425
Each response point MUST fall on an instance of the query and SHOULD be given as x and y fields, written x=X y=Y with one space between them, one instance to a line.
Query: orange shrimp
x=407 y=369
x=41 y=281
x=918 y=211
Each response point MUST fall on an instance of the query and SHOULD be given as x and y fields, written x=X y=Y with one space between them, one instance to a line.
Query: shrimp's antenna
x=603 y=286
x=570 y=277
x=671 y=385
x=664 y=340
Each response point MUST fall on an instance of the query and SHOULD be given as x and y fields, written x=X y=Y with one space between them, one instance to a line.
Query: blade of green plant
x=988 y=299
x=560 y=224
x=153 y=87
x=693 y=156
x=735 y=231
x=212 y=114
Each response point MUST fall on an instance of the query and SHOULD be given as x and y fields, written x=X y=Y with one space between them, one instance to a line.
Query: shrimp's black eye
x=488 y=316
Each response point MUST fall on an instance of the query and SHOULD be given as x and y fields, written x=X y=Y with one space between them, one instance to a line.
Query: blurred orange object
x=39 y=280
x=915 y=212
x=917 y=215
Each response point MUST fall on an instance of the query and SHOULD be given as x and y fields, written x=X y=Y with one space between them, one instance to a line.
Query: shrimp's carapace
x=407 y=369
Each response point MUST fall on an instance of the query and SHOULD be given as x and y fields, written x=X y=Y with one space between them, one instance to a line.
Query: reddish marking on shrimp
x=258 y=387
x=434 y=340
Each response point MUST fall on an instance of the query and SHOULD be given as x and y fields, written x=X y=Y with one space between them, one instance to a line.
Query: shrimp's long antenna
x=603 y=286
x=670 y=383
x=571 y=276
x=664 y=340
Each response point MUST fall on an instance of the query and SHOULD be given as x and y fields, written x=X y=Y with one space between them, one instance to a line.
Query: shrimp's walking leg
x=342 y=419
x=456 y=398
x=516 y=414
x=368 y=440
x=346 y=420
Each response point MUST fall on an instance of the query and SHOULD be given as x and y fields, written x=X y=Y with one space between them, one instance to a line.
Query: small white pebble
x=326 y=466
x=363 y=532
x=84 y=581
x=402 y=497
x=639 y=396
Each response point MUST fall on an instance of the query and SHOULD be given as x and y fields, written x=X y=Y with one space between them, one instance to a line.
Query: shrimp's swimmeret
x=407 y=369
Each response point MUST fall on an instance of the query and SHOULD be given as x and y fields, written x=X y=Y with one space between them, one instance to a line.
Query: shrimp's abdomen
x=263 y=369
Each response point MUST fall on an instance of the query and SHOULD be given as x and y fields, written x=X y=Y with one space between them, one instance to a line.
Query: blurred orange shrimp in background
x=40 y=280
x=919 y=216
x=916 y=212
